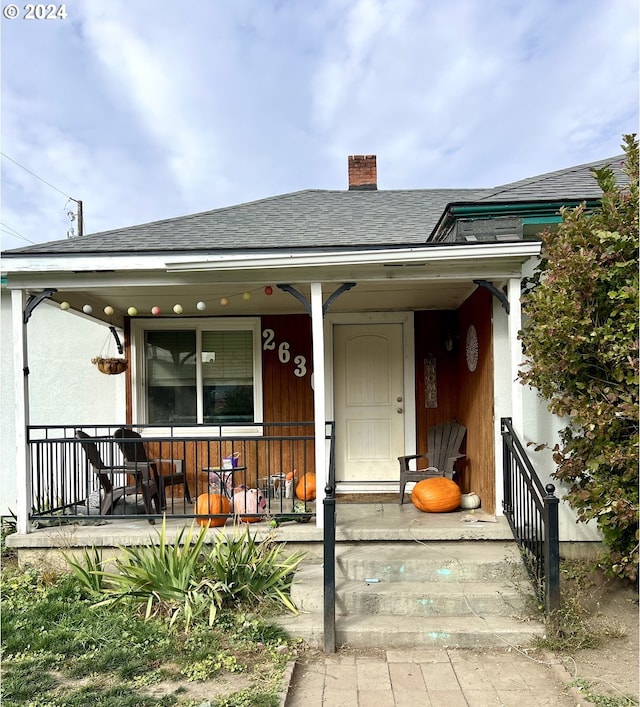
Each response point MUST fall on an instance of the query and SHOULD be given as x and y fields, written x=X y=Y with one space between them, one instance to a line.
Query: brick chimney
x=363 y=173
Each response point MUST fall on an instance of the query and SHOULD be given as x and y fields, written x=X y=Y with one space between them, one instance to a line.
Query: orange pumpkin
x=212 y=503
x=306 y=488
x=437 y=495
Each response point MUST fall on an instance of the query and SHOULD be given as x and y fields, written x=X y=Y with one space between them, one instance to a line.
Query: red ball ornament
x=155 y=311
x=268 y=290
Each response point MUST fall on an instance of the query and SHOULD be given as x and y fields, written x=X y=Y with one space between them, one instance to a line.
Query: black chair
x=111 y=491
x=135 y=454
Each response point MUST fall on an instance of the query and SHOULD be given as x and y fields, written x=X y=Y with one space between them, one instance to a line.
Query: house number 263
x=284 y=352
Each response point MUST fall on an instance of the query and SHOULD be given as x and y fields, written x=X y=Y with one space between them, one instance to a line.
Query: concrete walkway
x=424 y=677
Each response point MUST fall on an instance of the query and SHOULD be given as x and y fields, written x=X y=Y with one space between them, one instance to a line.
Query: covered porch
x=410 y=320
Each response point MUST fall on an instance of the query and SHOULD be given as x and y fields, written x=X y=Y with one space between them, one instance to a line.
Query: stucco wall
x=65 y=387
x=539 y=426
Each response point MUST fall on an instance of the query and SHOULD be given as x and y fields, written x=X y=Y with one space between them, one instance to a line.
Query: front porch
x=355 y=522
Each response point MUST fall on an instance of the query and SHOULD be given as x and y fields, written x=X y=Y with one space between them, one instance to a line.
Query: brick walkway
x=423 y=677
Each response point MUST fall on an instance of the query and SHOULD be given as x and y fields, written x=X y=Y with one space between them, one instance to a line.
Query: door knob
x=399 y=399
x=399 y=411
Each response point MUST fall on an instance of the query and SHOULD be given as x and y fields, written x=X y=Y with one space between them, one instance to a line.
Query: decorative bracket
x=502 y=298
x=112 y=329
x=34 y=301
x=298 y=295
x=345 y=287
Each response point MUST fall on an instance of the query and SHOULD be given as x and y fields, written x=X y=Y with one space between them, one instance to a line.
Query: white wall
x=65 y=387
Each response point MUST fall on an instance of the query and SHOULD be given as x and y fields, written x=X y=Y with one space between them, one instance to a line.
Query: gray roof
x=304 y=219
x=323 y=219
x=575 y=183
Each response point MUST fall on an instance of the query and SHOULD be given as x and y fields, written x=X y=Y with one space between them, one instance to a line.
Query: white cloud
x=148 y=110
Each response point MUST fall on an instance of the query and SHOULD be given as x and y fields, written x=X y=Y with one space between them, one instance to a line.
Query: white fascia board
x=187 y=262
x=396 y=256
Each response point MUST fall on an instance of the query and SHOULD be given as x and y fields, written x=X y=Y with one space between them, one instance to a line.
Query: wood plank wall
x=476 y=400
x=462 y=395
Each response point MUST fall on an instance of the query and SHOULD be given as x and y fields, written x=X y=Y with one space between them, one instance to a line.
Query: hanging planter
x=111 y=366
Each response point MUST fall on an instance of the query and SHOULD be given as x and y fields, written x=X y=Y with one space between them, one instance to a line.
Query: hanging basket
x=111 y=366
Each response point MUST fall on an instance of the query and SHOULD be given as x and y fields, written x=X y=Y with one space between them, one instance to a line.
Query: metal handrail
x=329 y=553
x=532 y=512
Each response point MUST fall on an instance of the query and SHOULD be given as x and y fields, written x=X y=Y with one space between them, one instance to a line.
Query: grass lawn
x=60 y=649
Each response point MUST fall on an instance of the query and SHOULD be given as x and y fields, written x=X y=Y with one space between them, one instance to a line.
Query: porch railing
x=532 y=512
x=329 y=555
x=65 y=486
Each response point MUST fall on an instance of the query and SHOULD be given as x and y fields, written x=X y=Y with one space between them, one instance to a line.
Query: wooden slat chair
x=443 y=451
x=166 y=472
x=111 y=491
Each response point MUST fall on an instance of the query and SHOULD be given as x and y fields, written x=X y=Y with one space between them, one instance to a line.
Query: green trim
x=541 y=219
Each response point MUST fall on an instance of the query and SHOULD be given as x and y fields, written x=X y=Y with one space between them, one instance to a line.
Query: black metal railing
x=67 y=484
x=532 y=512
x=329 y=553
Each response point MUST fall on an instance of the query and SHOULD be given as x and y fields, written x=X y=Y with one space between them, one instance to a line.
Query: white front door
x=369 y=401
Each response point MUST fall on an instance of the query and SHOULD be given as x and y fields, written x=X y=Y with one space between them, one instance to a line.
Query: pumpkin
x=212 y=503
x=306 y=488
x=469 y=501
x=436 y=495
x=248 y=501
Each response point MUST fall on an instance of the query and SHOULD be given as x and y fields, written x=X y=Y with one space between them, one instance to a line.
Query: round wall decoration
x=471 y=348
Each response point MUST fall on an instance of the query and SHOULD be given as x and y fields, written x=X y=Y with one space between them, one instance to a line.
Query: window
x=199 y=373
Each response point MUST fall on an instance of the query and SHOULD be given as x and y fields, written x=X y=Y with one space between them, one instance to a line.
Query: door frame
x=406 y=319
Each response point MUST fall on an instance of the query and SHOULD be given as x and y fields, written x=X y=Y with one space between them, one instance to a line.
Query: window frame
x=139 y=372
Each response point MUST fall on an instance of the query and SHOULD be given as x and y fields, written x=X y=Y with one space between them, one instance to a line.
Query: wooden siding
x=476 y=400
x=462 y=395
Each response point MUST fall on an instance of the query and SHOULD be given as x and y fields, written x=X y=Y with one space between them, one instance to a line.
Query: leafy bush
x=581 y=347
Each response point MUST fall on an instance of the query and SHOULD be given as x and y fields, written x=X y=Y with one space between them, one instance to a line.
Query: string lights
x=177 y=308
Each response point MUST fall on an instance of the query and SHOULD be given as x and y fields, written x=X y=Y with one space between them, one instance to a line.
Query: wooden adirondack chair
x=443 y=451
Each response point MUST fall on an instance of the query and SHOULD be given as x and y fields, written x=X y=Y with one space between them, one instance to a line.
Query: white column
x=516 y=357
x=21 y=391
x=319 y=402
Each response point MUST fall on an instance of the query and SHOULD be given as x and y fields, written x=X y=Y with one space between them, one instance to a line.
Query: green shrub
x=581 y=346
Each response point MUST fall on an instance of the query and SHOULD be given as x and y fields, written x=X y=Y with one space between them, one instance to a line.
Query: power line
x=33 y=174
x=12 y=232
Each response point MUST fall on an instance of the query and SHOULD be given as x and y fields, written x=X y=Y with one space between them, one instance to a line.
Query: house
x=385 y=311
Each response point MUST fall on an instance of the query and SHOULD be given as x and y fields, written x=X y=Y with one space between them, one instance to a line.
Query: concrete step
x=410 y=598
x=411 y=631
x=431 y=562
x=465 y=594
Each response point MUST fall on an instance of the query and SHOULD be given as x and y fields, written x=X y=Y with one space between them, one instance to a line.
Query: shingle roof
x=304 y=219
x=574 y=183
x=324 y=219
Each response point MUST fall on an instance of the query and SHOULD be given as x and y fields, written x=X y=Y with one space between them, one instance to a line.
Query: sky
x=152 y=109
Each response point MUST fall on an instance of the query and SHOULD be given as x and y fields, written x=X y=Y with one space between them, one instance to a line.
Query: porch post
x=515 y=352
x=319 y=405
x=21 y=395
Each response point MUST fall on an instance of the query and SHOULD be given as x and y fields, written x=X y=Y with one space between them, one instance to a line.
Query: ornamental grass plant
x=185 y=579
